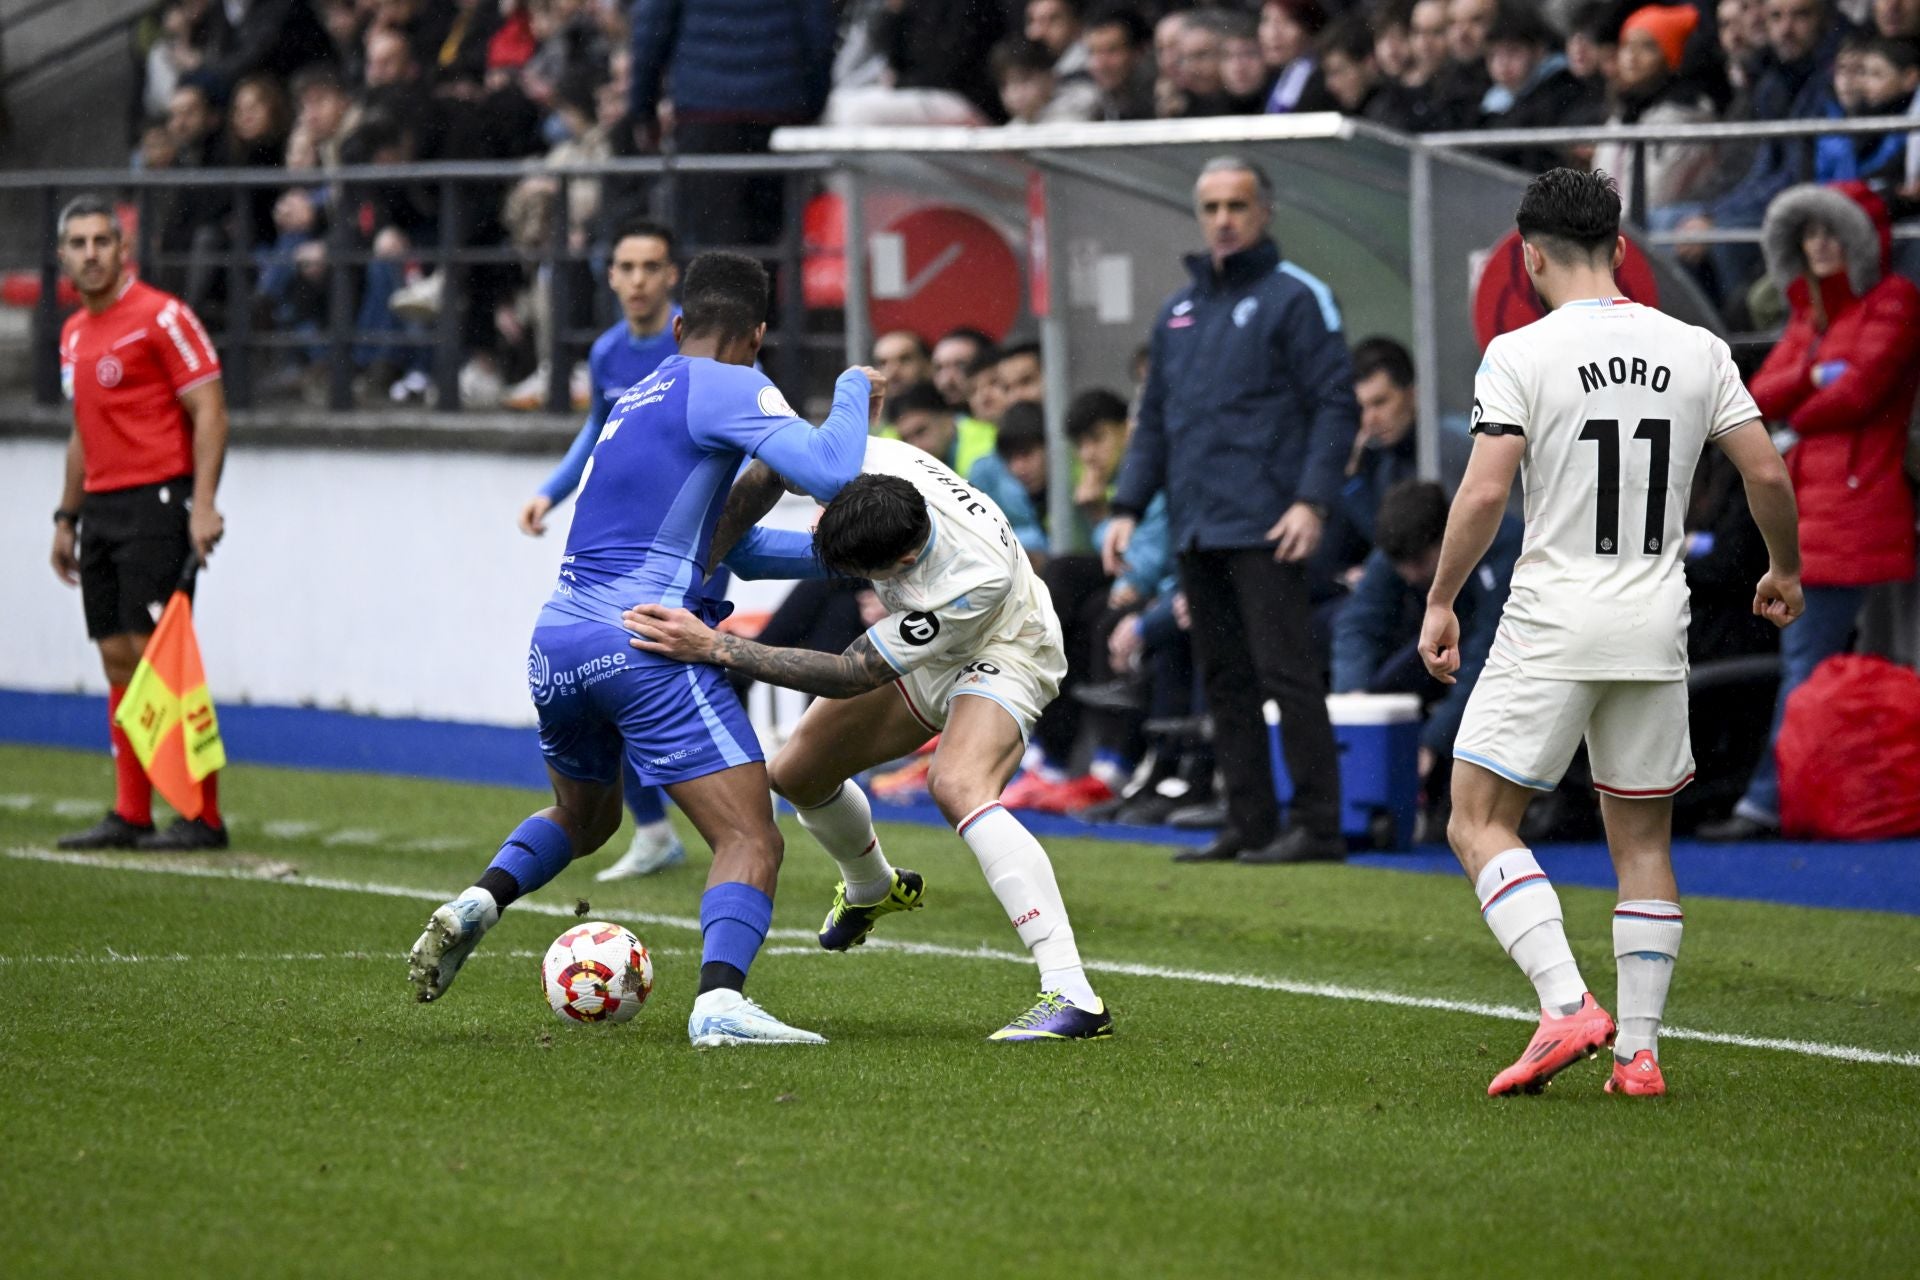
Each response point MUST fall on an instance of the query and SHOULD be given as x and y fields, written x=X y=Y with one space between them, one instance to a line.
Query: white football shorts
x=1023 y=676
x=1526 y=729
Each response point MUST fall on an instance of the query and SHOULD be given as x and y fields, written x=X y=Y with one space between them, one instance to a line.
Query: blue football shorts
x=598 y=697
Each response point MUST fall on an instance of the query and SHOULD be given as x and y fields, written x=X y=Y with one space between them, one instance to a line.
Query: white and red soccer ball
x=597 y=972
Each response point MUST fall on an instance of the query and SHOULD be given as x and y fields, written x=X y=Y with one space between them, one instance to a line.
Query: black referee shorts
x=133 y=545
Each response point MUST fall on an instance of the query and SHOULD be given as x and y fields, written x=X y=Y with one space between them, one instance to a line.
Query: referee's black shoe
x=186 y=835
x=111 y=832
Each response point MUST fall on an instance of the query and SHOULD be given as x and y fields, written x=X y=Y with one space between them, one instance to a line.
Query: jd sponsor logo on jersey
x=1243 y=311
x=775 y=405
x=109 y=371
x=919 y=628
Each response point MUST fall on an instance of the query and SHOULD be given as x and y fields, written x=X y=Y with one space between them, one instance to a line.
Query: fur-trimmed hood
x=1856 y=216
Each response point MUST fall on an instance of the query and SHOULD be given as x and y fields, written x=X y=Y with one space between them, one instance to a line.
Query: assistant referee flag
x=167 y=714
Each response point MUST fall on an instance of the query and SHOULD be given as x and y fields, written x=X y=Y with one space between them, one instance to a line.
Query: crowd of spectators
x=305 y=84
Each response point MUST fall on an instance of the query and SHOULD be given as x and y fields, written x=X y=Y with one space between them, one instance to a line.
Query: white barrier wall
x=388 y=583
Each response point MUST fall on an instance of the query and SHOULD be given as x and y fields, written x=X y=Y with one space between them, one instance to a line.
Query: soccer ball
x=597 y=972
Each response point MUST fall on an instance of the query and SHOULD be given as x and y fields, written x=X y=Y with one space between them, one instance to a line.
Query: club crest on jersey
x=1243 y=311
x=919 y=628
x=109 y=371
x=775 y=405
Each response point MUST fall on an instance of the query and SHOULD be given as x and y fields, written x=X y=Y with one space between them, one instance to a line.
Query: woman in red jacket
x=1842 y=379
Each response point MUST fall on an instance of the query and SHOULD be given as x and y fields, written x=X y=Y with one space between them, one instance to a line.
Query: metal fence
x=465 y=195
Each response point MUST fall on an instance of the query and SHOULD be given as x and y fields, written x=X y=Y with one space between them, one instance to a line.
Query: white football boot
x=724 y=1017
x=449 y=939
x=654 y=848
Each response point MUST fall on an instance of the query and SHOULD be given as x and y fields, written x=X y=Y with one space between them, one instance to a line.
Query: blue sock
x=647 y=804
x=734 y=919
x=536 y=852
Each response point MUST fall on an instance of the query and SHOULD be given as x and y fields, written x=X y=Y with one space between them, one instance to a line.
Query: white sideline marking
x=110 y=956
x=1321 y=990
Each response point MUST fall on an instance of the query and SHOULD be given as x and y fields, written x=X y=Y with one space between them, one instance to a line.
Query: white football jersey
x=973 y=584
x=1616 y=401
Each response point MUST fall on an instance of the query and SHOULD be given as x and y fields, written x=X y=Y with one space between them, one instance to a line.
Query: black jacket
x=1248 y=405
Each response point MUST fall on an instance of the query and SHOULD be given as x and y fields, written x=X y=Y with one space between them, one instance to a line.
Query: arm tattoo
x=828 y=675
x=753 y=495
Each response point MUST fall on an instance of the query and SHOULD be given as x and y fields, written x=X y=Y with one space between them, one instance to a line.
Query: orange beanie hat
x=1670 y=25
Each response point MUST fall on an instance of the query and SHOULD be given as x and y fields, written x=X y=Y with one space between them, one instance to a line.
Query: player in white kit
x=972 y=649
x=1608 y=405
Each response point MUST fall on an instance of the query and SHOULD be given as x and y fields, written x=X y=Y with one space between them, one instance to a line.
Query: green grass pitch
x=223 y=1075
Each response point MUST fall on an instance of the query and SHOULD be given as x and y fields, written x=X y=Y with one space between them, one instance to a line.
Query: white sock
x=1021 y=876
x=843 y=824
x=1646 y=941
x=1519 y=905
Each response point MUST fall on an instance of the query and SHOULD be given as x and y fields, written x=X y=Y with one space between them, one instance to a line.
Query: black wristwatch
x=66 y=516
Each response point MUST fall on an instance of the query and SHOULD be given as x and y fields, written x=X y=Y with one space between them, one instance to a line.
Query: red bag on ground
x=1849 y=752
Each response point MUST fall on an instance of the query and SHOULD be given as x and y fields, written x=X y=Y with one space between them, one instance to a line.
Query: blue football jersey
x=659 y=477
x=617 y=361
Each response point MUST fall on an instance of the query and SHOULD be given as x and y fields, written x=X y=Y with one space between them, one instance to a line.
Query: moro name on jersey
x=1622 y=371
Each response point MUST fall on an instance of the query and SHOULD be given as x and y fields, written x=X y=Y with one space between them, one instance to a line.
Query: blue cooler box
x=1379 y=739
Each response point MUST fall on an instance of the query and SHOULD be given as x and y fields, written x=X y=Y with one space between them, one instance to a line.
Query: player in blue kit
x=642 y=276
x=643 y=531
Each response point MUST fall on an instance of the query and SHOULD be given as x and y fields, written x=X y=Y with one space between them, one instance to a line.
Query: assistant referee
x=149 y=439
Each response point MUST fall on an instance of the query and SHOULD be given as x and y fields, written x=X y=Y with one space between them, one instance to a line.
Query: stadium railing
x=460 y=189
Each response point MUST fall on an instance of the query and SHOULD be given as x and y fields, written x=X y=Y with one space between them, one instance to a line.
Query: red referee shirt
x=125 y=371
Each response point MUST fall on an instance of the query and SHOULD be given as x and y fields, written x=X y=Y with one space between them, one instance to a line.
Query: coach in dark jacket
x=1246 y=422
x=735 y=70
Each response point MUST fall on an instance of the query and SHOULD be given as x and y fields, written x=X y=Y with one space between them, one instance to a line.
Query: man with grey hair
x=1246 y=422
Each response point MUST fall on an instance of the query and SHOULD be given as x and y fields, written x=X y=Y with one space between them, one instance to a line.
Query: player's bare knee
x=958 y=792
x=791 y=781
x=606 y=821
x=1463 y=833
x=756 y=848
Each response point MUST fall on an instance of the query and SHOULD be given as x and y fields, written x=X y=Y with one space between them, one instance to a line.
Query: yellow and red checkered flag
x=167 y=714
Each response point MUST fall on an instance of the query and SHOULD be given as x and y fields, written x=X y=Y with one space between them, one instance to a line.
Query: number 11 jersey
x=1616 y=402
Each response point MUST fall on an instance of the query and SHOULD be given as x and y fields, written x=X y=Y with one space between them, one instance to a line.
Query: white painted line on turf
x=435 y=844
x=111 y=956
x=1319 y=990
